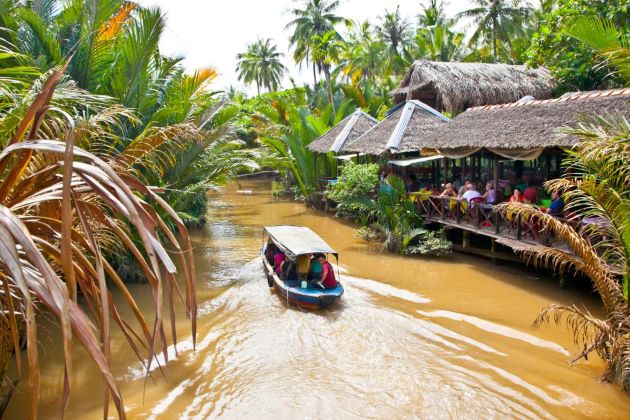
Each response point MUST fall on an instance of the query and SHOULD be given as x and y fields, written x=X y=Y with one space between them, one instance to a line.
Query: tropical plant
x=439 y=43
x=496 y=23
x=325 y=52
x=315 y=18
x=63 y=210
x=365 y=55
x=396 y=32
x=597 y=185
x=610 y=42
x=355 y=180
x=286 y=129
x=393 y=212
x=433 y=14
x=261 y=65
x=571 y=61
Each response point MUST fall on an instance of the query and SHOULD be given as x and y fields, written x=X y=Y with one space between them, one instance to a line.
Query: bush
x=428 y=243
x=356 y=180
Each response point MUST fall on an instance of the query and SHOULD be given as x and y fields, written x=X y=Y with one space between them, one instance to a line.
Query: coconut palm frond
x=589 y=333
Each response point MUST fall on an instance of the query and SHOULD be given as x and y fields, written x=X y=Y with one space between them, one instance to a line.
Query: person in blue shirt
x=557 y=204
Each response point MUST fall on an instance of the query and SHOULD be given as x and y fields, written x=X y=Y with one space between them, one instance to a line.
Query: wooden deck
x=480 y=219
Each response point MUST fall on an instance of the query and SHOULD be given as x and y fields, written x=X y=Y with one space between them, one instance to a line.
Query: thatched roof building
x=347 y=130
x=403 y=130
x=527 y=125
x=454 y=87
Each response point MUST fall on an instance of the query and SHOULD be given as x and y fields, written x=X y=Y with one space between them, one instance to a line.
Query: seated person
x=315 y=270
x=489 y=195
x=302 y=264
x=449 y=191
x=462 y=190
x=278 y=260
x=471 y=193
x=557 y=205
x=289 y=269
x=327 y=280
x=270 y=250
x=530 y=195
x=516 y=196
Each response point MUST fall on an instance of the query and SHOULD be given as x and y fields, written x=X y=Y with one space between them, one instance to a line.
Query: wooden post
x=465 y=239
x=445 y=171
x=496 y=178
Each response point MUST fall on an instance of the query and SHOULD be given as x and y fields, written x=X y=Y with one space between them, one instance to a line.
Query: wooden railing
x=479 y=216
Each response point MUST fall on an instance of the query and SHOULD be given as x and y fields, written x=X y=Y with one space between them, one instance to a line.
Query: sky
x=212 y=32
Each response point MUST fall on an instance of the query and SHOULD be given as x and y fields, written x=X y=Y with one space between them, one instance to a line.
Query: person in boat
x=278 y=260
x=327 y=280
x=289 y=269
x=270 y=251
x=315 y=268
x=302 y=265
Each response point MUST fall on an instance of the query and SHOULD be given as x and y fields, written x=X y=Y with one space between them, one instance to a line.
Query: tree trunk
x=494 y=38
x=329 y=88
x=314 y=77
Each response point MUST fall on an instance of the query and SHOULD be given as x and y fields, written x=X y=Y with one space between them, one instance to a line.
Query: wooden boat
x=294 y=241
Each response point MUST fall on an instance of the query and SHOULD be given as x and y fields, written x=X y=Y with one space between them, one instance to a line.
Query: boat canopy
x=298 y=240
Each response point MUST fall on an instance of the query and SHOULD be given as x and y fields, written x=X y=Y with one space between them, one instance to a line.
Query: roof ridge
x=564 y=98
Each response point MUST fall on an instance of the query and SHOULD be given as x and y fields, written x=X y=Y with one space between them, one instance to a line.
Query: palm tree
x=433 y=14
x=261 y=64
x=598 y=186
x=439 y=43
x=496 y=21
x=325 y=53
x=610 y=42
x=394 y=30
x=64 y=210
x=315 y=18
x=364 y=55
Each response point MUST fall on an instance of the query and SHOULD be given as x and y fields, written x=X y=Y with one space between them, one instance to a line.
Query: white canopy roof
x=409 y=162
x=297 y=240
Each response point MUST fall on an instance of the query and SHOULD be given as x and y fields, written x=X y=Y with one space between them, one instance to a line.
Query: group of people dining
x=314 y=268
x=528 y=195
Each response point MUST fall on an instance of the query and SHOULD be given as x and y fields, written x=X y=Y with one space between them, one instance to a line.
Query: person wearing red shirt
x=530 y=195
x=328 y=280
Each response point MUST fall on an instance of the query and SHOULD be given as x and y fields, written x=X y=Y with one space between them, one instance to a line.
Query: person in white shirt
x=471 y=192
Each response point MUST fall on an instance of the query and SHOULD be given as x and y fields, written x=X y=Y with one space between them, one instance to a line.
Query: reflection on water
x=411 y=337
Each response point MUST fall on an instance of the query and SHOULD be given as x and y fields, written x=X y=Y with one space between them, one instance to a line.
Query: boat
x=294 y=241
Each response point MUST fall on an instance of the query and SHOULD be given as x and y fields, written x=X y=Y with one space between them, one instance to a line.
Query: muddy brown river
x=425 y=338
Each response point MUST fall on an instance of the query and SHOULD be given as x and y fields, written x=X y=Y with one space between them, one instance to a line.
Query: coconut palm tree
x=261 y=64
x=63 y=211
x=325 y=52
x=364 y=56
x=598 y=187
x=439 y=43
x=496 y=21
x=433 y=14
x=394 y=30
x=610 y=42
x=315 y=18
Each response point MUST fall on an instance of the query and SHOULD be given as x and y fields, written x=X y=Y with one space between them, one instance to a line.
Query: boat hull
x=304 y=298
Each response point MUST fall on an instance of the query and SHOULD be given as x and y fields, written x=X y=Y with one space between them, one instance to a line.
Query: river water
x=427 y=338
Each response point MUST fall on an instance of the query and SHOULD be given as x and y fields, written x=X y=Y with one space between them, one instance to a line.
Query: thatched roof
x=347 y=130
x=404 y=130
x=454 y=87
x=530 y=124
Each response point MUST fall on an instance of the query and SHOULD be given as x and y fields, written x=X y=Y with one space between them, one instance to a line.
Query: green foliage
x=612 y=44
x=428 y=243
x=571 y=61
x=261 y=65
x=356 y=180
